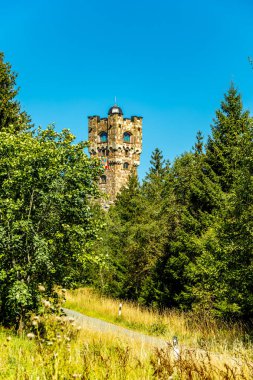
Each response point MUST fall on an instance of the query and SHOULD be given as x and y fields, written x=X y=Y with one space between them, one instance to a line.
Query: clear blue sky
x=168 y=61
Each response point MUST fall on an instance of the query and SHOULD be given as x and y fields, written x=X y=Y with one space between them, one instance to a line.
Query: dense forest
x=182 y=238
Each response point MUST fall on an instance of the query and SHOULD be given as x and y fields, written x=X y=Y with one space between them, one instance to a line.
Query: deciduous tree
x=46 y=221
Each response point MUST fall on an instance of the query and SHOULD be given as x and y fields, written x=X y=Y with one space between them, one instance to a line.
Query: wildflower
x=30 y=336
x=41 y=288
x=8 y=338
x=35 y=323
x=49 y=343
x=63 y=290
x=46 y=303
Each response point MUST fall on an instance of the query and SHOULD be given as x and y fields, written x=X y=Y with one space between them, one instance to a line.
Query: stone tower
x=118 y=142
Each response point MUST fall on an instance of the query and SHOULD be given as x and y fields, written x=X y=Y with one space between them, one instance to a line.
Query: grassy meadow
x=192 y=330
x=87 y=356
x=57 y=348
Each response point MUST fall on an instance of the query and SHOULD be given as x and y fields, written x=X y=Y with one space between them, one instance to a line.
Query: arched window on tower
x=127 y=137
x=103 y=137
x=125 y=165
x=103 y=179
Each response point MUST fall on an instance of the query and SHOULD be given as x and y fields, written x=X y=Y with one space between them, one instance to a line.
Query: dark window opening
x=125 y=165
x=103 y=137
x=127 y=137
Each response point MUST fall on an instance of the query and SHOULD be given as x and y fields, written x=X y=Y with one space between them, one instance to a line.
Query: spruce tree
x=158 y=164
x=154 y=182
x=222 y=275
x=198 y=146
x=188 y=207
x=230 y=123
x=234 y=293
x=11 y=117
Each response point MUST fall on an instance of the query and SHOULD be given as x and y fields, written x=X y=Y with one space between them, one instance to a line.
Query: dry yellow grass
x=91 y=355
x=98 y=356
x=195 y=331
x=59 y=350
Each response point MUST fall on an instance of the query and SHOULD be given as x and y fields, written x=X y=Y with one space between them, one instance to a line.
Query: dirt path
x=102 y=326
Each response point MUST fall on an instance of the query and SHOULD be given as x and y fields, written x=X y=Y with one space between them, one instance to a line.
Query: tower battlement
x=118 y=142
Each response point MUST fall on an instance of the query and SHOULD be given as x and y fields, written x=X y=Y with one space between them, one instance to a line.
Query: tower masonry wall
x=120 y=154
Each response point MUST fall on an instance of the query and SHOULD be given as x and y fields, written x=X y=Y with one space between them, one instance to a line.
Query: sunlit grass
x=196 y=331
x=91 y=355
x=59 y=349
x=98 y=356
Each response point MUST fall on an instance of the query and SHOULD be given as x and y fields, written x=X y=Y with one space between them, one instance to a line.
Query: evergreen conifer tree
x=221 y=276
x=12 y=119
x=230 y=123
x=188 y=209
x=154 y=182
x=198 y=146
x=232 y=257
x=158 y=163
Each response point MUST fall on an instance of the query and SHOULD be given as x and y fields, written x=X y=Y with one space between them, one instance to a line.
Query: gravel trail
x=95 y=324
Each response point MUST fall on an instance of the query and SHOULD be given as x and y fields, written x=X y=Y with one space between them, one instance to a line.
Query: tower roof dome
x=115 y=110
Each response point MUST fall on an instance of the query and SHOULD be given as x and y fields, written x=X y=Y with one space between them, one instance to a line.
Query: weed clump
x=158 y=328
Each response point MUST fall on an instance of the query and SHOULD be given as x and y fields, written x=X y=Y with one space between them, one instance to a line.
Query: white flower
x=41 y=288
x=30 y=336
x=46 y=303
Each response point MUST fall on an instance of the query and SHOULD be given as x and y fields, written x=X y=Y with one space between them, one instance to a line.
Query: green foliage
x=130 y=243
x=158 y=328
x=11 y=117
x=221 y=276
x=47 y=225
x=222 y=149
x=183 y=238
